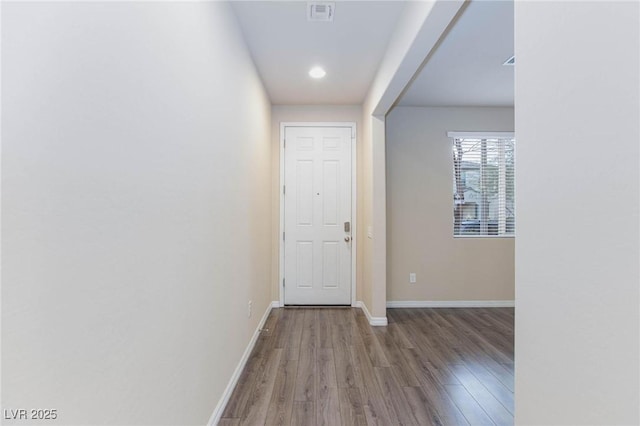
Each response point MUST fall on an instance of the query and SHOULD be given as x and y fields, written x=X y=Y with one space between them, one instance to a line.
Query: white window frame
x=483 y=135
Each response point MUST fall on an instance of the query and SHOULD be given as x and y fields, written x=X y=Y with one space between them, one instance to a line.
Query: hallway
x=144 y=203
x=330 y=367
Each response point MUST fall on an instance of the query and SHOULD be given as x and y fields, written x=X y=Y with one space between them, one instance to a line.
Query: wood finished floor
x=330 y=367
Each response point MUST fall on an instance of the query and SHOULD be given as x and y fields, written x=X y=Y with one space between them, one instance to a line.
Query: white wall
x=372 y=239
x=136 y=209
x=577 y=249
x=420 y=211
x=417 y=32
x=311 y=113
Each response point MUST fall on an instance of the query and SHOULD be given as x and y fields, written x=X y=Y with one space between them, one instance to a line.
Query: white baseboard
x=222 y=403
x=374 y=321
x=451 y=304
x=275 y=304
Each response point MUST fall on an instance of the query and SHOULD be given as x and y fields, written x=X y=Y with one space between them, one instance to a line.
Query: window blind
x=483 y=184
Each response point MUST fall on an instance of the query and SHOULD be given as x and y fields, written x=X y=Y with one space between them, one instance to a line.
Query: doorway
x=317 y=205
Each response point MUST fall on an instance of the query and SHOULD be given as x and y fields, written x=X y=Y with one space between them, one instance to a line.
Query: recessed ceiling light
x=317 y=72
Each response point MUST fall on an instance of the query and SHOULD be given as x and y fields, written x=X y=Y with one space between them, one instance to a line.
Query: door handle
x=347 y=238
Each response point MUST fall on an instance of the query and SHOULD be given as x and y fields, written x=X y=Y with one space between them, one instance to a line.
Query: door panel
x=304 y=193
x=304 y=263
x=330 y=189
x=317 y=203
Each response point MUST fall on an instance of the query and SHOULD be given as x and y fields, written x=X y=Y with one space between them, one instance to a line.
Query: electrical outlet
x=249 y=310
x=412 y=278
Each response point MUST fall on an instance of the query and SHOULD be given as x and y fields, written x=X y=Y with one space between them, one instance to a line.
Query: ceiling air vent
x=511 y=61
x=320 y=11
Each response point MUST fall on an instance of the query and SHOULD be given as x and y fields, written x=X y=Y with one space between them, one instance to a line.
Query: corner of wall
x=379 y=321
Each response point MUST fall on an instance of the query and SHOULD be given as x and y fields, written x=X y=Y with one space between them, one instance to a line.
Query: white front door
x=317 y=215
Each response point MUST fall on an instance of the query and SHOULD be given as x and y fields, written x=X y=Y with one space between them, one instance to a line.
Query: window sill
x=484 y=236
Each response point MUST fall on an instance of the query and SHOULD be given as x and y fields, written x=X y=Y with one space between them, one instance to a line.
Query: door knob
x=347 y=238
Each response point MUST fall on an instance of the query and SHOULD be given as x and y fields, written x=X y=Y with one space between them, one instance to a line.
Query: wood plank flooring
x=328 y=366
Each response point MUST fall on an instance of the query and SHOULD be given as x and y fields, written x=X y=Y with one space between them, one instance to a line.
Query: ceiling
x=284 y=46
x=466 y=69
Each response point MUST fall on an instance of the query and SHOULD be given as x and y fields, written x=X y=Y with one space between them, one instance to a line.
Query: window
x=483 y=184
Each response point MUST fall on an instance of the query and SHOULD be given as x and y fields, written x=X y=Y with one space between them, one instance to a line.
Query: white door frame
x=354 y=237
